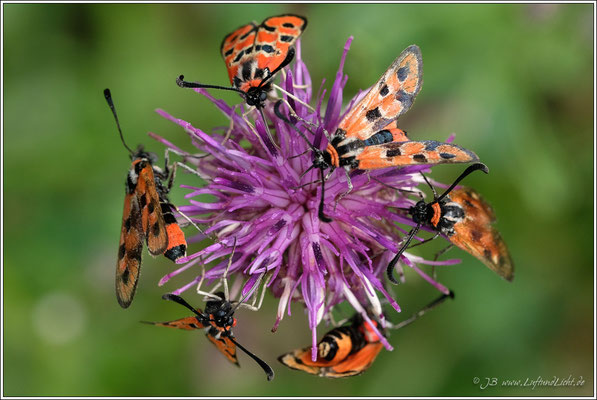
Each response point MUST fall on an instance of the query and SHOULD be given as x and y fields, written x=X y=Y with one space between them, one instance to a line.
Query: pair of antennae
x=193 y=85
x=108 y=97
x=269 y=372
x=412 y=233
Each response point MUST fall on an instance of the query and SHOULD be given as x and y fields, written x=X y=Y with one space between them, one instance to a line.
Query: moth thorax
x=223 y=318
x=146 y=156
x=131 y=180
x=322 y=159
x=338 y=136
x=421 y=212
x=452 y=213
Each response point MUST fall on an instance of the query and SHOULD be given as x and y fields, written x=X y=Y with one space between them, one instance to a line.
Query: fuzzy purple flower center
x=255 y=196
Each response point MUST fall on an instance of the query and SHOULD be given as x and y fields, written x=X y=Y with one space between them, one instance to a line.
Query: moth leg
x=306 y=184
x=171 y=173
x=252 y=306
x=350 y=187
x=439 y=253
x=293 y=97
x=225 y=275
x=252 y=127
x=231 y=126
x=185 y=157
x=332 y=320
x=201 y=292
x=298 y=155
x=405 y=191
x=427 y=240
x=311 y=124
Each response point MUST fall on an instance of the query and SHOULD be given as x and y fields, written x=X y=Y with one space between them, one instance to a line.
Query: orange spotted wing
x=217 y=331
x=129 y=251
x=147 y=216
x=252 y=53
x=477 y=235
x=388 y=99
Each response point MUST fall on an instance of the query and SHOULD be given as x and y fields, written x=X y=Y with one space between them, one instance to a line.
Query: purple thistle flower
x=263 y=205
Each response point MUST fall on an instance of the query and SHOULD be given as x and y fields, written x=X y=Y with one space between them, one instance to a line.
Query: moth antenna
x=269 y=372
x=430 y=185
x=392 y=264
x=192 y=85
x=286 y=61
x=177 y=299
x=108 y=97
x=424 y=310
x=470 y=169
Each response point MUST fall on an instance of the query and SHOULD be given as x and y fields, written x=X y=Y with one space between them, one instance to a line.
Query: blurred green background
x=514 y=82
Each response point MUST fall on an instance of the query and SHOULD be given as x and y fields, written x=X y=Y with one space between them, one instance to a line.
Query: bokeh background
x=514 y=82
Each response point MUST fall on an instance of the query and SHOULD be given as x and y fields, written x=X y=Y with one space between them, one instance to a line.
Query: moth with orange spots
x=344 y=351
x=255 y=53
x=366 y=137
x=217 y=320
x=148 y=216
x=466 y=220
x=347 y=350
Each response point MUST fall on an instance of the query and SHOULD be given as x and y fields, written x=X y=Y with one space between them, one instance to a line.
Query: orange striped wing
x=128 y=265
x=187 y=323
x=152 y=219
x=389 y=98
x=225 y=346
x=476 y=234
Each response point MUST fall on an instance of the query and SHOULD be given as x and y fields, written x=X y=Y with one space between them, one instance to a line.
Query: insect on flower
x=347 y=350
x=218 y=320
x=466 y=219
x=256 y=202
x=254 y=54
x=366 y=139
x=148 y=216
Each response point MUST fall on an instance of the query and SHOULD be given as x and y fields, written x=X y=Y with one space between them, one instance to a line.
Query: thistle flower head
x=265 y=204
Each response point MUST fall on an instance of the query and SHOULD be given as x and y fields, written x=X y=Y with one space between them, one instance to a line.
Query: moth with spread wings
x=255 y=53
x=217 y=320
x=366 y=137
x=466 y=220
x=148 y=216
